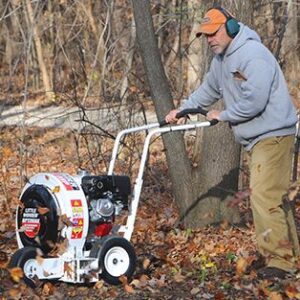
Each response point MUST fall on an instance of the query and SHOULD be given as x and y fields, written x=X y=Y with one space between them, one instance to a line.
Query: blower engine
x=107 y=196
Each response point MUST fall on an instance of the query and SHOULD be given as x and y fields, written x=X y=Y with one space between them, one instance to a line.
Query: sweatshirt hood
x=245 y=34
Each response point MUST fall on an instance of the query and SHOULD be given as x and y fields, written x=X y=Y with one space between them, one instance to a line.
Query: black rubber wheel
x=25 y=258
x=44 y=233
x=116 y=258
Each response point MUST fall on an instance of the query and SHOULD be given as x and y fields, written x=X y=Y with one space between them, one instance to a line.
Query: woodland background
x=84 y=54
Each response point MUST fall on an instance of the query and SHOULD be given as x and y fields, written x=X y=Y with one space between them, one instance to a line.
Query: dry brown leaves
x=209 y=263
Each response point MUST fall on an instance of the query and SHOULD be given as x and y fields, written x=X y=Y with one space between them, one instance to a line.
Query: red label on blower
x=68 y=182
x=31 y=222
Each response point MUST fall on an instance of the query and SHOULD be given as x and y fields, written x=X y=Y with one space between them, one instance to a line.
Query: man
x=259 y=110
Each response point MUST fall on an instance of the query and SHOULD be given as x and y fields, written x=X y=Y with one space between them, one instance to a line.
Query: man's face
x=219 y=41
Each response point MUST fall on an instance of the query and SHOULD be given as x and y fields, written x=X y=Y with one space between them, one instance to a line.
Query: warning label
x=76 y=203
x=77 y=219
x=77 y=229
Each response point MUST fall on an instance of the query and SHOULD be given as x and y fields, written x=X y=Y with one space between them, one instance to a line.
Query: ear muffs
x=232 y=26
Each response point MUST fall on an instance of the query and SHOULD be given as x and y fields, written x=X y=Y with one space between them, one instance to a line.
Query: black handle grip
x=163 y=123
x=202 y=111
x=213 y=122
x=190 y=111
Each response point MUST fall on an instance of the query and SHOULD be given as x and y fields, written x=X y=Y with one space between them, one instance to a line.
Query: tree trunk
x=216 y=176
x=194 y=59
x=129 y=59
x=215 y=152
x=278 y=24
x=217 y=169
x=288 y=50
x=39 y=50
x=179 y=165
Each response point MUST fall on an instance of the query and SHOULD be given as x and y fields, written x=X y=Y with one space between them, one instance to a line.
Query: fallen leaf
x=3 y=227
x=178 y=277
x=275 y=296
x=62 y=247
x=16 y=274
x=48 y=289
x=241 y=265
x=3 y=260
x=144 y=278
x=65 y=220
x=210 y=265
x=99 y=284
x=195 y=291
x=56 y=190
x=146 y=263
x=162 y=281
x=68 y=269
x=15 y=293
x=136 y=283
x=39 y=259
x=123 y=279
x=209 y=247
x=22 y=229
x=129 y=289
x=219 y=296
x=43 y=210
x=292 y=292
x=6 y=153
x=20 y=204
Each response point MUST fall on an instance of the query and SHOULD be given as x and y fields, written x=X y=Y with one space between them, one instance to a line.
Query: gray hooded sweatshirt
x=249 y=79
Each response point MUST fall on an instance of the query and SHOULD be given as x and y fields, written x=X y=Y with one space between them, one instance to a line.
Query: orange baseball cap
x=211 y=22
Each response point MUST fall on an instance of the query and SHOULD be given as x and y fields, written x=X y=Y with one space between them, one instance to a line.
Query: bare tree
x=278 y=24
x=34 y=25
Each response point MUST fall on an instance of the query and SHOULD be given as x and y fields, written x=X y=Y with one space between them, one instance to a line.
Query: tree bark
x=39 y=50
x=129 y=59
x=179 y=165
x=287 y=51
x=278 y=24
x=194 y=59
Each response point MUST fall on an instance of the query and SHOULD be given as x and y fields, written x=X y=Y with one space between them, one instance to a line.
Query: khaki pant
x=270 y=170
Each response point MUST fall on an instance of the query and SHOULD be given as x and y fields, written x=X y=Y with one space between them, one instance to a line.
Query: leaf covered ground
x=173 y=262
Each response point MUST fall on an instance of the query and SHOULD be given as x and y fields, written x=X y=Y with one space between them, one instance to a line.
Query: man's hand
x=171 y=117
x=213 y=115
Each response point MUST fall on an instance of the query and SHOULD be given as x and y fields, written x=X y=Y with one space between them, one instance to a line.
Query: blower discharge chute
x=66 y=227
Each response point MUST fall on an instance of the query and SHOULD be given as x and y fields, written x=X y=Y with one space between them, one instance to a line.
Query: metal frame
x=154 y=129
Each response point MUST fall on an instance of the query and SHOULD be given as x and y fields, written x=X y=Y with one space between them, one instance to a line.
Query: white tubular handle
x=128 y=228
x=118 y=140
